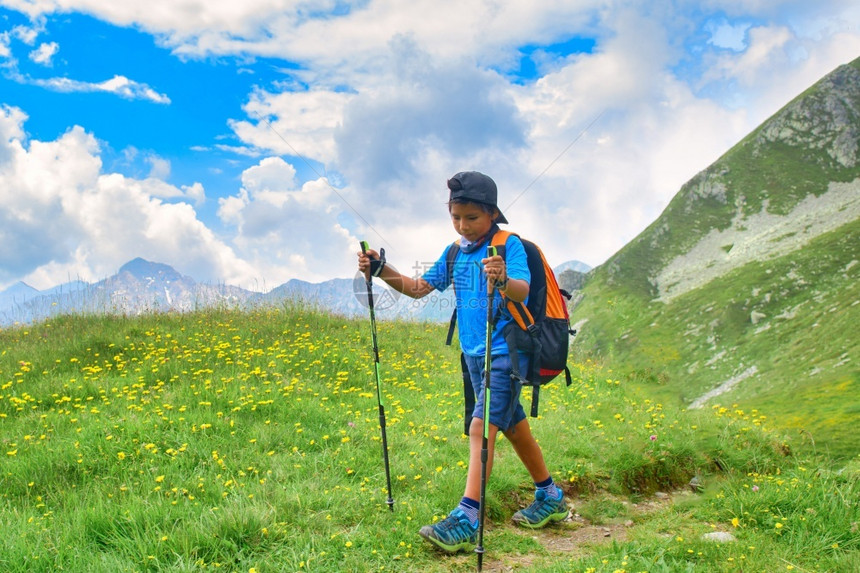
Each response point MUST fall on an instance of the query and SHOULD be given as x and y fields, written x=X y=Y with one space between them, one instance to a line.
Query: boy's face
x=470 y=221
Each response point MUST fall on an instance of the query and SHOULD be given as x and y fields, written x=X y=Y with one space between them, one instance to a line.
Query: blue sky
x=256 y=143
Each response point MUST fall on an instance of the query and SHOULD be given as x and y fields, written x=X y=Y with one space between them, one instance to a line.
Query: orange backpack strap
x=500 y=237
x=519 y=312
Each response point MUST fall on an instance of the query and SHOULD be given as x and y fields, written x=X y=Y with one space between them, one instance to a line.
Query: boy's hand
x=372 y=261
x=495 y=269
x=364 y=260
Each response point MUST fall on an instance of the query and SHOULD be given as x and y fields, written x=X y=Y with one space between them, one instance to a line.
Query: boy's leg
x=549 y=504
x=499 y=414
x=528 y=450
x=476 y=443
x=459 y=530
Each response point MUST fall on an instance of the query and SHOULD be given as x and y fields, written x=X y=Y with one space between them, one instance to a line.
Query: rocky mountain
x=745 y=289
x=139 y=286
x=18 y=293
x=576 y=266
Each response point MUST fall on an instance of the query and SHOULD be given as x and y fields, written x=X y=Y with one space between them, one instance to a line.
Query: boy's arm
x=515 y=289
x=515 y=286
x=412 y=287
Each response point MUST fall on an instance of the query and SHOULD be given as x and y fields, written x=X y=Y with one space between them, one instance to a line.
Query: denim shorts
x=502 y=392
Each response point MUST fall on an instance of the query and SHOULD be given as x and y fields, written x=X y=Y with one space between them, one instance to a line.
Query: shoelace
x=543 y=507
x=450 y=522
x=455 y=526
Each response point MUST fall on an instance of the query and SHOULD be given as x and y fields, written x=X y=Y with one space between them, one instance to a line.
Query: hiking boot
x=543 y=510
x=452 y=534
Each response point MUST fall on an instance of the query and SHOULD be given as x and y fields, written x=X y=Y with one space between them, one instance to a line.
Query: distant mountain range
x=145 y=286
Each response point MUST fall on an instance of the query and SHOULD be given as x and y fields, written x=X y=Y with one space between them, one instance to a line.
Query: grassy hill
x=249 y=441
x=745 y=290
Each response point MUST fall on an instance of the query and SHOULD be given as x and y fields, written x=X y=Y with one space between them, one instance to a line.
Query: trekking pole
x=488 y=360
x=369 y=283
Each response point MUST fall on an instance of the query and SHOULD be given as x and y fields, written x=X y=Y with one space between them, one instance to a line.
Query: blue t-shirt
x=470 y=288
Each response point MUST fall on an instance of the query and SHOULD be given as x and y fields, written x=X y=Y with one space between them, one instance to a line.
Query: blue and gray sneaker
x=543 y=510
x=452 y=534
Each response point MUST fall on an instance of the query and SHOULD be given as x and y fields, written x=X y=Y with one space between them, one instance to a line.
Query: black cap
x=475 y=187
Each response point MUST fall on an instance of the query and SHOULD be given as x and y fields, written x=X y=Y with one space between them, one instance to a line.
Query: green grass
x=249 y=441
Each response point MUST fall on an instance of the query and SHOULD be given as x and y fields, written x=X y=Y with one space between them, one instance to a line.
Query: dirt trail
x=575 y=536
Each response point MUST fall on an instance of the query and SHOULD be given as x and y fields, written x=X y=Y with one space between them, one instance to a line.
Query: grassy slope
x=238 y=442
x=801 y=348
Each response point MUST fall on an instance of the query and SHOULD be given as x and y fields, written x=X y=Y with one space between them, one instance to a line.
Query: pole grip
x=367 y=277
x=491 y=284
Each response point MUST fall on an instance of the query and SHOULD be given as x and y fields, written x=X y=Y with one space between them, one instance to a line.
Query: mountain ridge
x=801 y=150
x=745 y=288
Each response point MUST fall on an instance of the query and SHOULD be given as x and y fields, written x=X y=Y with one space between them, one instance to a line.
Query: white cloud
x=28 y=34
x=195 y=192
x=766 y=51
x=244 y=150
x=446 y=107
x=779 y=64
x=159 y=167
x=11 y=130
x=5 y=52
x=45 y=53
x=62 y=217
x=728 y=35
x=118 y=85
x=289 y=230
x=300 y=124
x=325 y=32
x=602 y=186
x=270 y=175
x=230 y=208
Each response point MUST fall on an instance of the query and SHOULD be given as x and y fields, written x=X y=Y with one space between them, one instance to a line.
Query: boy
x=475 y=215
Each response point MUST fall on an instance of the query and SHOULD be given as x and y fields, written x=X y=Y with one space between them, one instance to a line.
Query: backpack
x=540 y=328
